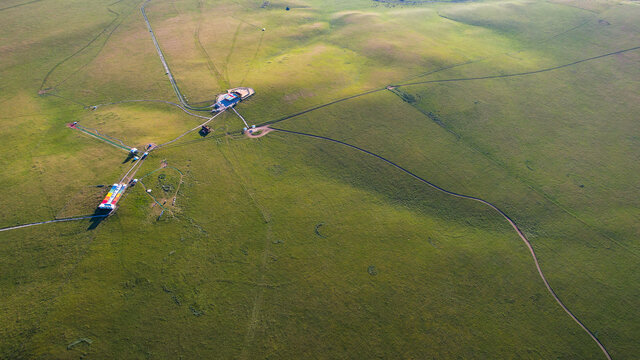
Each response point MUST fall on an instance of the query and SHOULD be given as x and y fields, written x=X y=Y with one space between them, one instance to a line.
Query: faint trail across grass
x=234 y=40
x=258 y=299
x=520 y=73
x=117 y=21
x=104 y=43
x=106 y=138
x=51 y=221
x=167 y=70
x=494 y=207
x=443 y=69
x=66 y=98
x=222 y=83
x=18 y=5
x=155 y=101
x=287 y=117
x=253 y=60
x=188 y=131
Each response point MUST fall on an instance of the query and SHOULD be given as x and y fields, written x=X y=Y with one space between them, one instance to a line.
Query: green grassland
x=288 y=246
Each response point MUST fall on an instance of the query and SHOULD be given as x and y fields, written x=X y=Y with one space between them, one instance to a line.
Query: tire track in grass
x=94 y=39
x=210 y=64
x=251 y=64
x=494 y=56
x=234 y=40
x=443 y=69
x=287 y=117
x=554 y=202
x=258 y=299
x=485 y=202
x=291 y=116
x=18 y=5
x=246 y=22
x=118 y=15
x=522 y=180
x=565 y=32
x=188 y=131
x=106 y=40
x=533 y=46
x=253 y=60
x=152 y=101
x=66 y=98
x=579 y=8
x=167 y=70
x=520 y=73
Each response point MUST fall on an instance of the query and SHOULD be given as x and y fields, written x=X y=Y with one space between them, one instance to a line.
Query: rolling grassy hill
x=289 y=246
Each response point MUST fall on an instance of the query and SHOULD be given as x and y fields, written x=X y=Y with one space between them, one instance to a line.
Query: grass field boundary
x=485 y=202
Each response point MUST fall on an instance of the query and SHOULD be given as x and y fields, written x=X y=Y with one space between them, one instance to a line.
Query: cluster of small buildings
x=223 y=102
x=134 y=153
x=231 y=98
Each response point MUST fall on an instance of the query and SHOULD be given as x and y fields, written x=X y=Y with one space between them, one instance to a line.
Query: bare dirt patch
x=258 y=132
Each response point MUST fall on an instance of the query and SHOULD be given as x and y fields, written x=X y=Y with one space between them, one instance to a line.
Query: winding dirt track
x=494 y=207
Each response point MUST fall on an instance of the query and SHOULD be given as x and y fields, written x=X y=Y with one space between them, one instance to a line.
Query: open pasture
x=291 y=246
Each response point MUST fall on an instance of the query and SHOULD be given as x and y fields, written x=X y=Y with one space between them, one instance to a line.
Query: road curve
x=494 y=207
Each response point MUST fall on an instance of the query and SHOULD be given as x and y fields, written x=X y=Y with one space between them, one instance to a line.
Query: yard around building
x=285 y=245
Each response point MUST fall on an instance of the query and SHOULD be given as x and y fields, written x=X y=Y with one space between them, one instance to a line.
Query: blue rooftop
x=229 y=100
